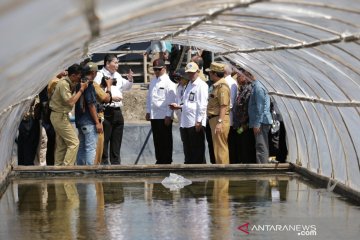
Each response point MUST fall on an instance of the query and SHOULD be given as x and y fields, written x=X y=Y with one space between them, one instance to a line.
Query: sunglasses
x=157 y=68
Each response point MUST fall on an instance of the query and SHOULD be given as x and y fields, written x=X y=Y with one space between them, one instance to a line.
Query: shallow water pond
x=242 y=206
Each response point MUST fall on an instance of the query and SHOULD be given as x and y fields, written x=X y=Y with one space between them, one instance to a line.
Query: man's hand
x=198 y=126
x=218 y=128
x=147 y=116
x=256 y=130
x=130 y=76
x=174 y=106
x=99 y=127
x=83 y=86
x=116 y=99
x=167 y=121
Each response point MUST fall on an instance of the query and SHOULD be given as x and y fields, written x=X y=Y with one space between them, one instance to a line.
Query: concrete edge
x=323 y=181
x=152 y=168
x=5 y=179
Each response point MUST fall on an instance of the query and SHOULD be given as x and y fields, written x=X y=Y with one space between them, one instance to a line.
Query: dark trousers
x=210 y=142
x=163 y=141
x=28 y=141
x=232 y=145
x=50 y=146
x=277 y=144
x=113 y=131
x=245 y=147
x=194 y=145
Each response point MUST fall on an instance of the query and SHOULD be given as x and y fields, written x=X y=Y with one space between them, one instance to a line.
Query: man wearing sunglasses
x=161 y=94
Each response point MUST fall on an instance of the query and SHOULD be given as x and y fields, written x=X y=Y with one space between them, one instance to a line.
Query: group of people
x=97 y=97
x=232 y=111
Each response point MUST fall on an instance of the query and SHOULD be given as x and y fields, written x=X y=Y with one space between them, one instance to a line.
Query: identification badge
x=191 y=96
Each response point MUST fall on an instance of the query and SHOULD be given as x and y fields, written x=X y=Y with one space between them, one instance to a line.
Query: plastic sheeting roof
x=306 y=52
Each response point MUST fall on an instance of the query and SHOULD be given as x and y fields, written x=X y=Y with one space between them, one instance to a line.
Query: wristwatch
x=219 y=120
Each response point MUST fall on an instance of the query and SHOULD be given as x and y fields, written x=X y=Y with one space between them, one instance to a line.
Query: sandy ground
x=134 y=109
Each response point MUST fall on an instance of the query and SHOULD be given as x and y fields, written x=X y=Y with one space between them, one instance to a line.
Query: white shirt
x=179 y=98
x=161 y=93
x=233 y=91
x=195 y=100
x=116 y=91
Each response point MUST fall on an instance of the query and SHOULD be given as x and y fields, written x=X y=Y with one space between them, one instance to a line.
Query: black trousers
x=163 y=141
x=194 y=145
x=50 y=146
x=232 y=145
x=210 y=142
x=28 y=141
x=245 y=147
x=113 y=132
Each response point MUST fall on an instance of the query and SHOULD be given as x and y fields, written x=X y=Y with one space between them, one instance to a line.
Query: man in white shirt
x=113 y=119
x=233 y=92
x=193 y=116
x=161 y=94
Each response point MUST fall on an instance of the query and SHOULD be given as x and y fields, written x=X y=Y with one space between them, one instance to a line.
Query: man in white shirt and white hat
x=193 y=116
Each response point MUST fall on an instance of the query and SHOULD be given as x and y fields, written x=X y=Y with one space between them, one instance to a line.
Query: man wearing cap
x=61 y=103
x=161 y=94
x=86 y=119
x=193 y=116
x=218 y=112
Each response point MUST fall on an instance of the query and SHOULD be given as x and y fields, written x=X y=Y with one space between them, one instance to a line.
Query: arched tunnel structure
x=306 y=53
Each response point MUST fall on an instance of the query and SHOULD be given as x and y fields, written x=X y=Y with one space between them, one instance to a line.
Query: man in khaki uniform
x=61 y=103
x=218 y=112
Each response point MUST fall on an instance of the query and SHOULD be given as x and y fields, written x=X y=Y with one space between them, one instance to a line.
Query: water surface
x=284 y=206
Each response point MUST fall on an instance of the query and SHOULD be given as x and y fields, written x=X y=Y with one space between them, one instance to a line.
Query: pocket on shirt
x=161 y=93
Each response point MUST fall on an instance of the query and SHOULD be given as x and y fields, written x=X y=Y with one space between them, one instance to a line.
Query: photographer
x=113 y=118
x=61 y=103
x=86 y=118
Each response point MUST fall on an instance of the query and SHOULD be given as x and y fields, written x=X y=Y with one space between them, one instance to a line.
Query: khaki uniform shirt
x=51 y=86
x=62 y=94
x=220 y=95
x=100 y=97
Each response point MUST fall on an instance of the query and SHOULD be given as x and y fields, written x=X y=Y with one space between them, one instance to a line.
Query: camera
x=103 y=81
x=86 y=80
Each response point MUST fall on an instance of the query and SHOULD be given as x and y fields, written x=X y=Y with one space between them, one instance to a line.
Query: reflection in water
x=142 y=208
x=220 y=214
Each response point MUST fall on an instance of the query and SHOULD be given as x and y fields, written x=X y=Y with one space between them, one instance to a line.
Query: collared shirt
x=233 y=91
x=116 y=91
x=162 y=92
x=82 y=113
x=60 y=97
x=219 y=96
x=194 y=104
x=259 y=106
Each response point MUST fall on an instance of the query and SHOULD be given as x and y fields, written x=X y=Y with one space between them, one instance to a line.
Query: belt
x=113 y=108
x=212 y=116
